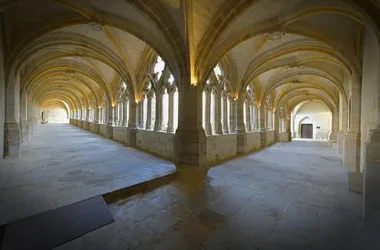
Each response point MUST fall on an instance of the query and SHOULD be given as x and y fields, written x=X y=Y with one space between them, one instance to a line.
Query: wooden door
x=307 y=131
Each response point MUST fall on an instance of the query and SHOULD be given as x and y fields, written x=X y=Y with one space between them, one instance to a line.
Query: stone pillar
x=132 y=124
x=342 y=123
x=125 y=113
x=96 y=115
x=208 y=128
x=149 y=113
x=12 y=131
x=24 y=118
x=276 y=126
x=371 y=177
x=351 y=146
x=233 y=116
x=171 y=113
x=218 y=114
x=334 y=127
x=248 y=116
x=225 y=113
x=241 y=128
x=2 y=86
x=158 y=121
x=262 y=126
x=190 y=138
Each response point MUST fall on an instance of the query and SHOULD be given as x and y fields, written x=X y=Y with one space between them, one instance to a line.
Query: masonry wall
x=370 y=91
x=218 y=147
x=221 y=147
x=159 y=143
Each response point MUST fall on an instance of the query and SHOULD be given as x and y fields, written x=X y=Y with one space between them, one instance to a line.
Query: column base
x=351 y=152
x=372 y=177
x=12 y=134
x=190 y=148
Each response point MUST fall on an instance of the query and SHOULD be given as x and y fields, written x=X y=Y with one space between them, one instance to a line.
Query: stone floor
x=290 y=196
x=63 y=164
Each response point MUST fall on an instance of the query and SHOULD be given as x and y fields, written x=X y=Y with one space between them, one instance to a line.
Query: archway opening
x=54 y=111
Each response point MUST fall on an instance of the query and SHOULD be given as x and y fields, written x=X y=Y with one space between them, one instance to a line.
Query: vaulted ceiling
x=80 y=50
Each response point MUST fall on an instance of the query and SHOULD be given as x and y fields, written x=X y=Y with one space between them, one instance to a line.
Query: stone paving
x=290 y=196
x=63 y=164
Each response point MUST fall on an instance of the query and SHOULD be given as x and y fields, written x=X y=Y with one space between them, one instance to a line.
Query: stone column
x=171 y=113
x=225 y=113
x=372 y=177
x=125 y=113
x=262 y=126
x=276 y=126
x=241 y=128
x=158 y=121
x=342 y=123
x=208 y=128
x=96 y=114
x=24 y=117
x=149 y=113
x=218 y=114
x=12 y=131
x=232 y=116
x=334 y=127
x=2 y=87
x=351 y=146
x=248 y=116
x=190 y=138
x=132 y=124
x=110 y=114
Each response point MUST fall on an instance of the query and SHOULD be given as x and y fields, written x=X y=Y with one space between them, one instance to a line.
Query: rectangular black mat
x=55 y=227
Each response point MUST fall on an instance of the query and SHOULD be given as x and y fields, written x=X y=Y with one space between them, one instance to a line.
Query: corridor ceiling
x=80 y=50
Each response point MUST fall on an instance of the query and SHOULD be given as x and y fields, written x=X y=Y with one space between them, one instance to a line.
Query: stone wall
x=270 y=137
x=160 y=143
x=120 y=134
x=95 y=127
x=283 y=137
x=106 y=131
x=221 y=147
x=253 y=141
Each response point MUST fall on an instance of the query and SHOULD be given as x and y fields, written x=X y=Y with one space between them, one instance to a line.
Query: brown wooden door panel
x=307 y=131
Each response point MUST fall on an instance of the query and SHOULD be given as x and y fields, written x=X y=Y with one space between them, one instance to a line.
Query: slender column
x=125 y=113
x=149 y=113
x=241 y=128
x=110 y=114
x=171 y=113
x=248 y=118
x=158 y=121
x=262 y=126
x=132 y=123
x=232 y=116
x=218 y=114
x=276 y=126
x=96 y=114
x=225 y=114
x=141 y=114
x=208 y=128
x=88 y=114
x=334 y=126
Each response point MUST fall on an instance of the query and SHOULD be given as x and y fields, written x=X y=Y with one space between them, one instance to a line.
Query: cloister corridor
x=288 y=196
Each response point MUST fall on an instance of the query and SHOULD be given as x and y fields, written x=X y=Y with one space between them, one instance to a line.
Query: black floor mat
x=56 y=227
